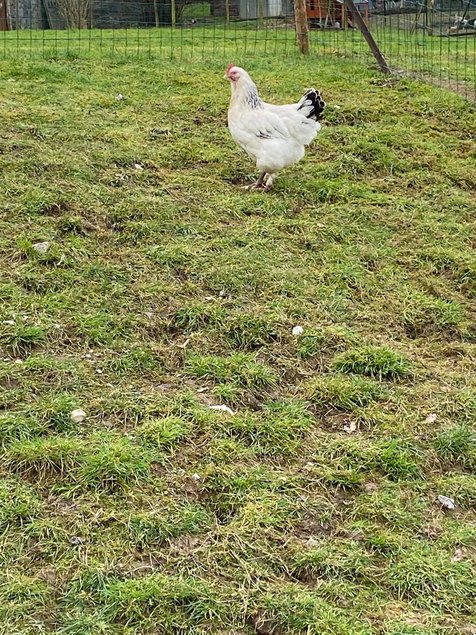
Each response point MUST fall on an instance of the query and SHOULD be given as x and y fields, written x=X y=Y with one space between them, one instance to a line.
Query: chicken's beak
x=225 y=76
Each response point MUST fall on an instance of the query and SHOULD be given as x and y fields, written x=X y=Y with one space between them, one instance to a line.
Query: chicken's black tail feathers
x=311 y=104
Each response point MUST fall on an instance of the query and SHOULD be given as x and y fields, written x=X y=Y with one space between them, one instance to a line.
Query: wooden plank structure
x=325 y=13
x=333 y=14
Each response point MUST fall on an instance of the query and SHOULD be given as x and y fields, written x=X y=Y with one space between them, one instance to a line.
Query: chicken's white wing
x=260 y=124
x=302 y=129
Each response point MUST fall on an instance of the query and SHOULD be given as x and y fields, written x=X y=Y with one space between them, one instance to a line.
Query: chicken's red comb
x=229 y=67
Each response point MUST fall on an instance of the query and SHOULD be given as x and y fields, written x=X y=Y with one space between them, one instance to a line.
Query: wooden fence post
x=261 y=13
x=173 y=13
x=431 y=22
x=3 y=15
x=156 y=13
x=302 y=27
x=359 y=20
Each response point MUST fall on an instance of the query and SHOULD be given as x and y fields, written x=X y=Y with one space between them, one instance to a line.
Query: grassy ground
x=165 y=289
x=450 y=62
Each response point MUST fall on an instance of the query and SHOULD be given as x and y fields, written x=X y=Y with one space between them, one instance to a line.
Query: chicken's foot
x=257 y=184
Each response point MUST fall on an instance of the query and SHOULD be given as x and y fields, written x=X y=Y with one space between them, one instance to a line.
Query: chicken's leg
x=257 y=184
x=269 y=182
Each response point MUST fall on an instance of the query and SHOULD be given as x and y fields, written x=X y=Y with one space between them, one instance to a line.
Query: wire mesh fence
x=432 y=39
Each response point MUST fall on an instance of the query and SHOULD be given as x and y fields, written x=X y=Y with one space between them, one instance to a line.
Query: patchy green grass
x=310 y=503
x=344 y=393
x=373 y=361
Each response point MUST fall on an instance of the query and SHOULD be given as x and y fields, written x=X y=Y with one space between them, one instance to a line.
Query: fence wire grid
x=431 y=39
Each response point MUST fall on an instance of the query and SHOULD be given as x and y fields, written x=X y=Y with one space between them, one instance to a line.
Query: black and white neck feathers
x=245 y=93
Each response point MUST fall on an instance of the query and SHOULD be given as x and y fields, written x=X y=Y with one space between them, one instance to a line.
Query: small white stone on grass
x=78 y=415
x=119 y=97
x=41 y=248
x=431 y=418
x=351 y=427
x=446 y=502
x=297 y=331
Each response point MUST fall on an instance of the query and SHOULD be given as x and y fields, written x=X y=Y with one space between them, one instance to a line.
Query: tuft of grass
x=197 y=315
x=137 y=360
x=295 y=610
x=54 y=411
x=23 y=339
x=149 y=530
x=230 y=393
x=172 y=602
x=456 y=444
x=41 y=457
x=19 y=504
x=423 y=315
x=19 y=426
x=115 y=463
x=242 y=369
x=24 y=598
x=393 y=505
x=166 y=432
x=278 y=430
x=431 y=578
x=397 y=460
x=329 y=338
x=247 y=331
x=333 y=559
x=344 y=393
x=372 y=361
x=102 y=327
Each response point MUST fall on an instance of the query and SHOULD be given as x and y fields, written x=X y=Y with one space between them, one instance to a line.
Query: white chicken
x=275 y=136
